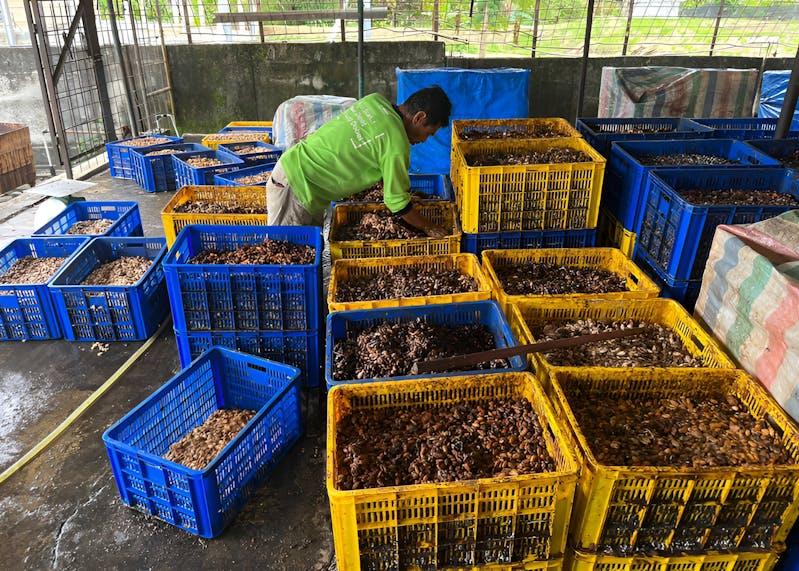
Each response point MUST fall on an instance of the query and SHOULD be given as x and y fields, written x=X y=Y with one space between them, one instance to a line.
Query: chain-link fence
x=482 y=28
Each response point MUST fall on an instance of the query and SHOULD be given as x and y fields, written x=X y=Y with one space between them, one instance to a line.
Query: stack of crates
x=119 y=157
x=743 y=128
x=676 y=235
x=154 y=170
x=240 y=132
x=627 y=182
x=676 y=516
x=526 y=205
x=273 y=311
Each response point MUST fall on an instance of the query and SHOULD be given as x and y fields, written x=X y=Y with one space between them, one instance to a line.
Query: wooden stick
x=460 y=361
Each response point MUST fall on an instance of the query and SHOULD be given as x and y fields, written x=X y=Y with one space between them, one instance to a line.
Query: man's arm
x=420 y=221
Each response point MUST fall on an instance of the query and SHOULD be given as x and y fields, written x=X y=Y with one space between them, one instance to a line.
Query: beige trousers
x=282 y=206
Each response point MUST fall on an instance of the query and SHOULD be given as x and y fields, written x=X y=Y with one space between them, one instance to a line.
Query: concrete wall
x=215 y=84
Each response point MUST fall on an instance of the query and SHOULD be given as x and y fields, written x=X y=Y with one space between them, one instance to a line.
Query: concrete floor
x=62 y=510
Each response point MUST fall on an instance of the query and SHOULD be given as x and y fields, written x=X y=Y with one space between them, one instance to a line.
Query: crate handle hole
x=697 y=342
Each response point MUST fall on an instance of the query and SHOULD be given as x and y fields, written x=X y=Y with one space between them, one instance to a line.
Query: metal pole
x=140 y=65
x=716 y=28
x=535 y=24
x=186 y=20
x=134 y=128
x=627 y=29
x=789 y=105
x=361 y=81
x=165 y=58
x=38 y=32
x=93 y=47
x=586 y=48
x=43 y=83
x=435 y=20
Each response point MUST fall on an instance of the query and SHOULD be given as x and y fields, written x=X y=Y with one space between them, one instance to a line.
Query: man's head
x=424 y=112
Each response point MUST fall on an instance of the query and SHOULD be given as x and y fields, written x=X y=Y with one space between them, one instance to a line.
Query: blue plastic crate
x=600 y=132
x=204 y=502
x=439 y=186
x=26 y=310
x=157 y=173
x=627 y=179
x=677 y=235
x=743 y=128
x=778 y=149
x=266 y=153
x=487 y=313
x=299 y=349
x=186 y=175
x=243 y=297
x=126 y=214
x=229 y=178
x=108 y=312
x=119 y=160
x=685 y=292
x=476 y=243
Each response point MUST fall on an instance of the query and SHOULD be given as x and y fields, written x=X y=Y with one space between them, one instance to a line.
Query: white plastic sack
x=298 y=117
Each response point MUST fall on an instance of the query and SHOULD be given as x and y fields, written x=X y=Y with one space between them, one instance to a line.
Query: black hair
x=434 y=102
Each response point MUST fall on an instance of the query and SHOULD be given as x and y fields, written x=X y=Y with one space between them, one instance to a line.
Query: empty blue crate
x=243 y=297
x=253 y=153
x=156 y=173
x=676 y=235
x=600 y=132
x=299 y=349
x=186 y=174
x=204 y=502
x=743 y=128
x=487 y=313
x=111 y=312
x=119 y=159
x=234 y=178
x=26 y=309
x=126 y=217
x=627 y=181
x=476 y=243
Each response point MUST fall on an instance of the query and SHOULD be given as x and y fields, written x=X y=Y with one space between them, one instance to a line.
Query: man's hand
x=435 y=232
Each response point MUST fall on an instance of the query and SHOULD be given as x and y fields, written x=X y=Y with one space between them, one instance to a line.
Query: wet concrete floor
x=62 y=510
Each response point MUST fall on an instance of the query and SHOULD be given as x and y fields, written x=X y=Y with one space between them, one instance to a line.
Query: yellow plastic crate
x=227 y=195
x=562 y=196
x=630 y=510
x=439 y=213
x=525 y=128
x=249 y=124
x=527 y=314
x=639 y=285
x=610 y=232
x=346 y=270
x=213 y=140
x=740 y=561
x=434 y=526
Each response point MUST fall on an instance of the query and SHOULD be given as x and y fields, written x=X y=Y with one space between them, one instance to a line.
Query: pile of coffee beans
x=204 y=443
x=398 y=282
x=203 y=207
x=550 y=156
x=686 y=159
x=421 y=445
x=737 y=197
x=552 y=279
x=391 y=349
x=30 y=270
x=378 y=225
x=266 y=252
x=126 y=270
x=96 y=226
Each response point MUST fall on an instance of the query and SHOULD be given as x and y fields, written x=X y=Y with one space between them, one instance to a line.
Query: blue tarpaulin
x=500 y=93
x=772 y=95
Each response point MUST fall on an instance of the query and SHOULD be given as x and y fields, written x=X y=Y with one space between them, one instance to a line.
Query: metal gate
x=103 y=71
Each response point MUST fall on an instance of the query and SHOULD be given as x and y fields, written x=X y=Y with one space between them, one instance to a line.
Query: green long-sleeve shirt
x=350 y=153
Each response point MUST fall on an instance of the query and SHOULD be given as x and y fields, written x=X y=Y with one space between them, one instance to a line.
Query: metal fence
x=483 y=28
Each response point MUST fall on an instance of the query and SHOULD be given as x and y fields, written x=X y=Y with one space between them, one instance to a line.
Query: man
x=370 y=141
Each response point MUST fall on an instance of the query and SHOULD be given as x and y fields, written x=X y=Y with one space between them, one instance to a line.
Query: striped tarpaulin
x=298 y=117
x=676 y=92
x=750 y=301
